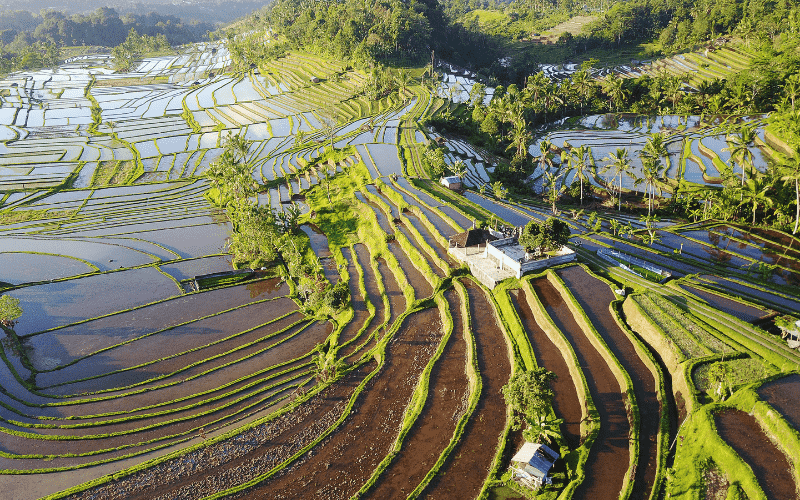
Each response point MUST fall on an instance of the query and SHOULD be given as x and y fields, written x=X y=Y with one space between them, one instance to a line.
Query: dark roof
x=472 y=238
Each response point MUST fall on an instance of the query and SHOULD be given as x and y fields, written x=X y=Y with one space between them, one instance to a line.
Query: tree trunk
x=797 y=200
x=619 y=208
x=755 y=206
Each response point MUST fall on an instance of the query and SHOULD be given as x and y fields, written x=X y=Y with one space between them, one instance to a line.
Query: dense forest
x=208 y=11
x=104 y=26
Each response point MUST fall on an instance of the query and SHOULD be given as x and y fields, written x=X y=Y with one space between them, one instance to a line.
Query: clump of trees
x=550 y=235
x=530 y=397
x=261 y=237
x=126 y=53
x=386 y=31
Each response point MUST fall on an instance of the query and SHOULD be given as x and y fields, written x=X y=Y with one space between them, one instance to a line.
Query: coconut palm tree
x=519 y=137
x=554 y=186
x=459 y=169
x=613 y=87
x=580 y=161
x=739 y=147
x=789 y=167
x=546 y=157
x=618 y=163
x=756 y=192
x=652 y=171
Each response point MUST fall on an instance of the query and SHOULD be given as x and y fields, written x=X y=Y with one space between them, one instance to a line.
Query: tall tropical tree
x=739 y=147
x=580 y=161
x=789 y=167
x=459 y=169
x=652 y=171
x=618 y=163
x=554 y=187
x=755 y=192
x=613 y=87
x=519 y=137
x=547 y=155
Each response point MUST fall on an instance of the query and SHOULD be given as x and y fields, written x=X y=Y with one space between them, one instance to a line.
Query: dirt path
x=448 y=393
x=465 y=471
x=608 y=460
x=594 y=296
x=782 y=394
x=566 y=402
x=772 y=469
x=342 y=463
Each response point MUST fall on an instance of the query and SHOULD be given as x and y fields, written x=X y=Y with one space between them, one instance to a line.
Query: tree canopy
x=551 y=234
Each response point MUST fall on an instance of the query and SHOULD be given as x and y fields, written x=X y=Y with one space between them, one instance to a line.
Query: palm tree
x=613 y=88
x=652 y=171
x=583 y=85
x=459 y=169
x=403 y=80
x=789 y=166
x=519 y=136
x=546 y=157
x=499 y=190
x=580 y=160
x=739 y=147
x=619 y=163
x=554 y=187
x=656 y=147
x=756 y=192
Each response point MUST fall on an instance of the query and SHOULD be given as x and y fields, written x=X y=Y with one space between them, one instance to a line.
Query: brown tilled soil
x=466 y=469
x=238 y=459
x=338 y=466
x=422 y=288
x=608 y=460
x=782 y=394
x=594 y=296
x=772 y=469
x=566 y=402
x=448 y=399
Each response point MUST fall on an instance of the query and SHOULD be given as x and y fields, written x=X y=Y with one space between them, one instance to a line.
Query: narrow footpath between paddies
x=339 y=465
x=773 y=471
x=465 y=471
x=448 y=399
x=609 y=457
x=594 y=296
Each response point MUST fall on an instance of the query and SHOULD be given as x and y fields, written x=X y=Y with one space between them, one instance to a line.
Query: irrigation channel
x=144 y=367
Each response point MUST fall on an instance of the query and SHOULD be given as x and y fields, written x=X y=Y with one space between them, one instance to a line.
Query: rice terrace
x=432 y=260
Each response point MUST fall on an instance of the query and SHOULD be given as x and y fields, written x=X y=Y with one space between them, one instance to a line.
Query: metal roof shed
x=532 y=463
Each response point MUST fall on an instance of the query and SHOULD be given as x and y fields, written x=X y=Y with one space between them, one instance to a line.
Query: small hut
x=452 y=182
x=314 y=79
x=532 y=463
x=471 y=238
x=790 y=330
